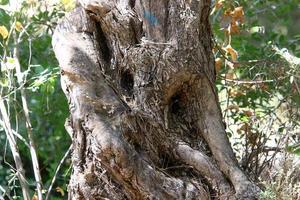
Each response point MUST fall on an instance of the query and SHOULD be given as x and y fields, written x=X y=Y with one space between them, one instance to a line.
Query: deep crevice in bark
x=136 y=30
x=127 y=82
x=105 y=51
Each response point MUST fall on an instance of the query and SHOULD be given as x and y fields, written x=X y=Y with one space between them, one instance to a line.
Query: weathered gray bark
x=144 y=113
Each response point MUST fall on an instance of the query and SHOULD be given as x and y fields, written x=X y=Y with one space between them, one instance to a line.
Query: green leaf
x=257 y=29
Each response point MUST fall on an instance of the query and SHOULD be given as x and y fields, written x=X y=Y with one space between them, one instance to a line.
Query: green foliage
x=258 y=69
x=268 y=194
x=30 y=25
x=264 y=80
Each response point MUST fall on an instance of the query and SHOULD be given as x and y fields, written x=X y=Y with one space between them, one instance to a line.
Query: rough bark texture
x=144 y=115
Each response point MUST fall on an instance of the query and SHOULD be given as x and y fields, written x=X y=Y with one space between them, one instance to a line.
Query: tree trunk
x=144 y=114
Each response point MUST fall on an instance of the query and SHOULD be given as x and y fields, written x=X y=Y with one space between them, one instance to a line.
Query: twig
x=15 y=152
x=5 y=193
x=297 y=87
x=32 y=148
x=248 y=82
x=20 y=137
x=57 y=170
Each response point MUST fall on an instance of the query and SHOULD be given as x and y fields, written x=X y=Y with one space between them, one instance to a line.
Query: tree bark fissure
x=144 y=113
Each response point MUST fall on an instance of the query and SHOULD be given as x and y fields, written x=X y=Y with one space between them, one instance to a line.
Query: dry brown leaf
x=233 y=53
x=238 y=14
x=233 y=107
x=218 y=64
x=248 y=113
x=234 y=28
x=244 y=127
x=34 y=197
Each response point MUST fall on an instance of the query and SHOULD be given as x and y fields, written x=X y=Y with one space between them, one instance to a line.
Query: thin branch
x=5 y=193
x=32 y=148
x=57 y=170
x=248 y=81
x=15 y=152
x=297 y=87
x=20 y=137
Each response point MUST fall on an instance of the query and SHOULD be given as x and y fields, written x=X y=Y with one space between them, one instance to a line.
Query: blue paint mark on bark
x=151 y=18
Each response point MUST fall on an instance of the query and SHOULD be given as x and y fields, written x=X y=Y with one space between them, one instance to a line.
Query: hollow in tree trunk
x=144 y=114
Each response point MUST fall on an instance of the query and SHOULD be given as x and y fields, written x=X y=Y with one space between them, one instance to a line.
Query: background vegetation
x=257 y=50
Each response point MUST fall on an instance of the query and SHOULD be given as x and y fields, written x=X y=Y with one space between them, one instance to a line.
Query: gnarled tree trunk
x=144 y=114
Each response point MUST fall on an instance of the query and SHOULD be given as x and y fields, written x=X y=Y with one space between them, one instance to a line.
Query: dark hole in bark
x=131 y=3
x=103 y=44
x=178 y=103
x=127 y=82
x=137 y=146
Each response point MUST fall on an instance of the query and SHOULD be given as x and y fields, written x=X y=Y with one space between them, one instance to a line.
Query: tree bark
x=144 y=114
